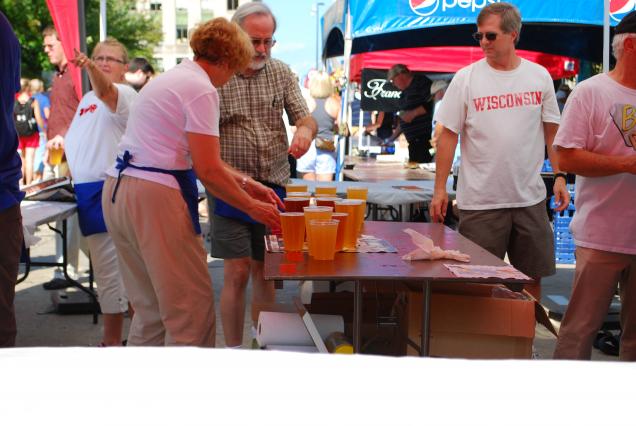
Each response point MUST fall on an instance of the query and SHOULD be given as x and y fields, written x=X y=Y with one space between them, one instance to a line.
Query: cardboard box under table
x=473 y=321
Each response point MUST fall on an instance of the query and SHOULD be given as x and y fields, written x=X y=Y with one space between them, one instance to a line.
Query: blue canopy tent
x=564 y=27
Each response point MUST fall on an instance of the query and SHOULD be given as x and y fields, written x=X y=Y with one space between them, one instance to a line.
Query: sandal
x=607 y=343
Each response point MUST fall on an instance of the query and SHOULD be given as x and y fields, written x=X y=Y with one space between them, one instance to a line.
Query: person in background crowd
x=382 y=124
x=319 y=162
x=63 y=97
x=416 y=112
x=139 y=73
x=10 y=175
x=253 y=140
x=26 y=114
x=597 y=142
x=150 y=199
x=438 y=90
x=505 y=109
x=37 y=91
x=64 y=103
x=562 y=96
x=91 y=145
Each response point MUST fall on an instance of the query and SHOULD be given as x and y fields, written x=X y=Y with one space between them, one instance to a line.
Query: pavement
x=39 y=325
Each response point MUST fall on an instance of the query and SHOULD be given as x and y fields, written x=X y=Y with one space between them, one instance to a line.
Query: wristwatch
x=561 y=174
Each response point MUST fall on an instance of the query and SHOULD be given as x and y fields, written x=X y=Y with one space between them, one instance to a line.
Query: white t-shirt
x=178 y=101
x=91 y=141
x=500 y=116
x=600 y=117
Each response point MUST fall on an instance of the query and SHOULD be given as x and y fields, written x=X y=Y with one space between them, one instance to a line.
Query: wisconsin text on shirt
x=507 y=101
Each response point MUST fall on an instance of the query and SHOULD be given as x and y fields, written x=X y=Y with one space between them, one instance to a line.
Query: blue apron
x=89 y=207
x=223 y=209
x=186 y=179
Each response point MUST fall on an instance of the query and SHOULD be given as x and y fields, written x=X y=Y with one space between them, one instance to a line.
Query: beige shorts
x=523 y=232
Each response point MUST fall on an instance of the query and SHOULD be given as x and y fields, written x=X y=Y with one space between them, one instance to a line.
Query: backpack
x=24 y=118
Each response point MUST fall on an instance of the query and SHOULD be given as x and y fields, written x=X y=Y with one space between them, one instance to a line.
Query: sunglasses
x=489 y=36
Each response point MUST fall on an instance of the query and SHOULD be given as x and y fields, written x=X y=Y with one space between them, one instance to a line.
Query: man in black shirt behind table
x=416 y=112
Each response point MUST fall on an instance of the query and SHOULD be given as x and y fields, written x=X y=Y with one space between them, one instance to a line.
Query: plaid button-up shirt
x=252 y=132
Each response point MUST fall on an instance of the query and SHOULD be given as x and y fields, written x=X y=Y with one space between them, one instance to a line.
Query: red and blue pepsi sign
x=379 y=17
x=620 y=8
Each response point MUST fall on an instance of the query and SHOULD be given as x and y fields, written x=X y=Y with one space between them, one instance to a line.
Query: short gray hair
x=510 y=17
x=252 y=8
x=396 y=70
x=618 y=42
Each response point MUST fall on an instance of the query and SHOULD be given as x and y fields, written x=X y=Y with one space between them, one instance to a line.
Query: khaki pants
x=163 y=264
x=595 y=280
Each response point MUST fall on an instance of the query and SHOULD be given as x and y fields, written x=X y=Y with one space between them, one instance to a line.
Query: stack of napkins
x=426 y=250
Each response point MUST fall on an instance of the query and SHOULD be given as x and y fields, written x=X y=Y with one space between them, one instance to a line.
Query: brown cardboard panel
x=475 y=325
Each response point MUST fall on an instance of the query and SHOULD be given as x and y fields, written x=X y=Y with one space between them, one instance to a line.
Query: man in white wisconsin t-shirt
x=505 y=109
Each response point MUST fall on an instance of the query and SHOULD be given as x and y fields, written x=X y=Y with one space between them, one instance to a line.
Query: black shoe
x=57 y=284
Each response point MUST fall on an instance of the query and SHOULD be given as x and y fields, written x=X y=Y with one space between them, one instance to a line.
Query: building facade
x=177 y=18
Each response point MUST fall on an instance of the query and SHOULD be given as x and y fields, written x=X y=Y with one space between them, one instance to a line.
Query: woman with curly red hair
x=150 y=200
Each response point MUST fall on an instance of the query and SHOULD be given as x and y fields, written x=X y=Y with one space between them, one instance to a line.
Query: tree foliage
x=139 y=32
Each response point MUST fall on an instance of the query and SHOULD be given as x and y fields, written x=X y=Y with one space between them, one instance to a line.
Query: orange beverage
x=55 y=156
x=361 y=210
x=342 y=219
x=318 y=213
x=351 y=225
x=293 y=225
x=328 y=190
x=322 y=242
x=296 y=187
x=327 y=201
x=296 y=204
x=298 y=195
x=358 y=192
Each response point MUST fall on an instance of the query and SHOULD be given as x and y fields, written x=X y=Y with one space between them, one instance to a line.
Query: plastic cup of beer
x=317 y=213
x=351 y=225
x=361 y=210
x=296 y=204
x=342 y=219
x=55 y=156
x=327 y=201
x=296 y=187
x=358 y=192
x=326 y=190
x=322 y=242
x=298 y=194
x=293 y=224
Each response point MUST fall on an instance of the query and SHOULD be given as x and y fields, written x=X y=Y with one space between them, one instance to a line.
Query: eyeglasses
x=489 y=36
x=267 y=42
x=108 y=59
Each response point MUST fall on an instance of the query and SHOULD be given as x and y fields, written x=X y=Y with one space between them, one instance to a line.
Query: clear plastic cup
x=358 y=192
x=322 y=240
x=293 y=224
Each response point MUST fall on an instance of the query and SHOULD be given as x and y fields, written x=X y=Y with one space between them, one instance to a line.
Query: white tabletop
x=36 y=213
x=388 y=192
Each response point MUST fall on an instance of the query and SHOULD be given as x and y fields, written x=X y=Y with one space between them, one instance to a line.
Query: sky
x=296 y=32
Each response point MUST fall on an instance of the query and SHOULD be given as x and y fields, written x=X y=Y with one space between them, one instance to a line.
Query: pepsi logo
x=619 y=8
x=424 y=7
x=429 y=7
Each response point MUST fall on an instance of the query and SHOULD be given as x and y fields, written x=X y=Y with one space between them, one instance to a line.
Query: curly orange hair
x=222 y=42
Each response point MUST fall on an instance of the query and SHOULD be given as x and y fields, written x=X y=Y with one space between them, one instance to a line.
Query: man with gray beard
x=254 y=141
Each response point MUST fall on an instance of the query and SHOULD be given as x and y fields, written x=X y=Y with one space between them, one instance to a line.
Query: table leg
x=426 y=318
x=357 y=317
